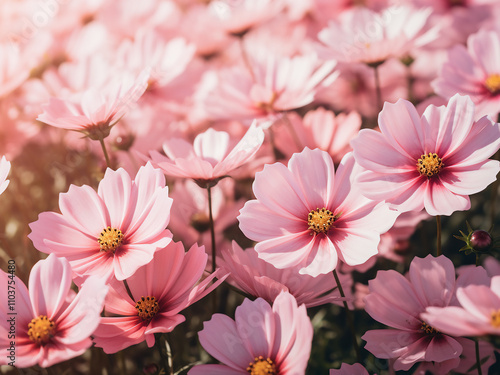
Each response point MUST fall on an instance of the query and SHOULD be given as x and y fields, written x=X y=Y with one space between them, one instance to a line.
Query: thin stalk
x=378 y=88
x=494 y=192
x=214 y=250
x=169 y=356
x=128 y=290
x=164 y=354
x=105 y=152
x=350 y=320
x=477 y=260
x=478 y=359
x=212 y=230
x=438 y=241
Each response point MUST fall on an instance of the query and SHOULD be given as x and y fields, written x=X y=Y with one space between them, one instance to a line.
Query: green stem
x=438 y=241
x=350 y=320
x=478 y=358
x=103 y=146
x=477 y=260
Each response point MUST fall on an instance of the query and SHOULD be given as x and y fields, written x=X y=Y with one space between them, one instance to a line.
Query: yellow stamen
x=492 y=83
x=41 y=330
x=495 y=319
x=428 y=329
x=110 y=239
x=147 y=308
x=429 y=164
x=261 y=366
x=320 y=220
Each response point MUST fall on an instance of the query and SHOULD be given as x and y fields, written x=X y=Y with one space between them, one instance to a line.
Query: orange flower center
x=41 y=329
x=261 y=366
x=495 y=319
x=147 y=308
x=428 y=329
x=492 y=83
x=320 y=220
x=110 y=239
x=429 y=164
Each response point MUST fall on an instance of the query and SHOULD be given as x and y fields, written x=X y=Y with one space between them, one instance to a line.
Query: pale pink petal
x=440 y=201
x=316 y=183
x=442 y=348
x=221 y=339
x=402 y=128
x=115 y=191
x=83 y=208
x=470 y=179
x=49 y=283
x=256 y=324
x=82 y=316
x=433 y=280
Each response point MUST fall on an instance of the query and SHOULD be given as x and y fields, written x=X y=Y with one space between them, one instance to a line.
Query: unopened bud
x=480 y=240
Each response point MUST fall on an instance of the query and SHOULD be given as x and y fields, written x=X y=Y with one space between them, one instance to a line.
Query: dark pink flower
x=399 y=302
x=160 y=291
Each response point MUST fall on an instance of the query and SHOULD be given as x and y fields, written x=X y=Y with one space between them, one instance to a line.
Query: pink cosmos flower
x=321 y=129
x=399 y=301
x=477 y=315
x=363 y=35
x=210 y=157
x=473 y=71
x=160 y=291
x=97 y=109
x=4 y=172
x=261 y=339
x=111 y=232
x=52 y=322
x=270 y=83
x=261 y=279
x=309 y=216
x=166 y=58
x=346 y=369
x=432 y=162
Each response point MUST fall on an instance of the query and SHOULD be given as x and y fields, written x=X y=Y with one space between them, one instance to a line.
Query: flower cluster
x=254 y=176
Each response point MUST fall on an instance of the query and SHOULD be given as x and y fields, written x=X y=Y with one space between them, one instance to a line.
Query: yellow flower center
x=492 y=83
x=320 y=220
x=261 y=366
x=41 y=330
x=428 y=329
x=147 y=308
x=495 y=319
x=110 y=239
x=429 y=164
